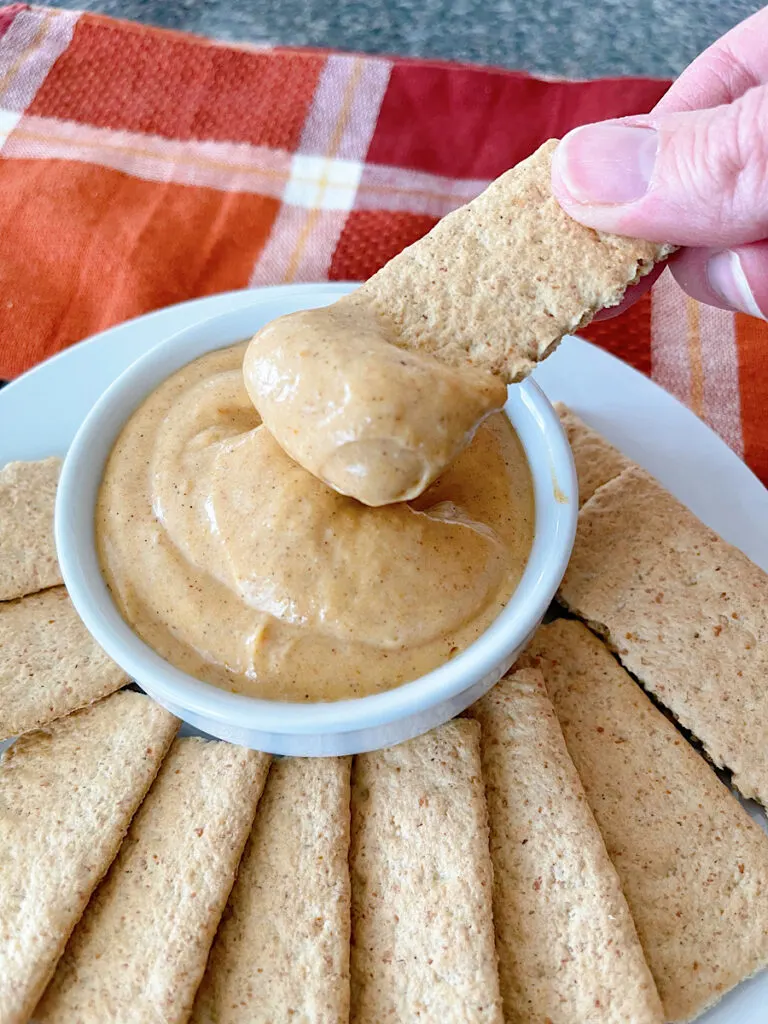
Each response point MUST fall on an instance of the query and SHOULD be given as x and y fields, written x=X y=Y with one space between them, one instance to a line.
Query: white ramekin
x=343 y=727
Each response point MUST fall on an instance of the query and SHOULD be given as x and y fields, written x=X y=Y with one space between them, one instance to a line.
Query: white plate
x=40 y=413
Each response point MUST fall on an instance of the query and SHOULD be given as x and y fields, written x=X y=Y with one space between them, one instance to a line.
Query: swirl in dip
x=243 y=569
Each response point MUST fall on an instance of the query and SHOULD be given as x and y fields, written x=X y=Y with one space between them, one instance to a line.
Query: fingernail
x=606 y=164
x=728 y=281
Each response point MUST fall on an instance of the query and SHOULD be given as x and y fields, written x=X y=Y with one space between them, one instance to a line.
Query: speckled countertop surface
x=575 y=38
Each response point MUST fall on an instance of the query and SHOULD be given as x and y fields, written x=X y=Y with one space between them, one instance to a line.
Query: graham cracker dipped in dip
x=340 y=507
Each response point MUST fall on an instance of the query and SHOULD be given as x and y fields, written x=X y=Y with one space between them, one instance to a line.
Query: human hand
x=693 y=172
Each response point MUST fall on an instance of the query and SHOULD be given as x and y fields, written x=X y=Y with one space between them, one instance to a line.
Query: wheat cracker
x=422 y=920
x=568 y=949
x=497 y=283
x=139 y=951
x=50 y=665
x=685 y=612
x=27 y=550
x=282 y=949
x=692 y=863
x=67 y=795
x=597 y=461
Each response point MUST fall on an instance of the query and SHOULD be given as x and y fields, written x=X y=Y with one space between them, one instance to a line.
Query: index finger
x=737 y=62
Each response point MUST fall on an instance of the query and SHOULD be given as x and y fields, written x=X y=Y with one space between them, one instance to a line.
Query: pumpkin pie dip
x=243 y=569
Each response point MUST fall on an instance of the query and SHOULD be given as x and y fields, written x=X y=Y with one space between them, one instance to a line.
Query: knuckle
x=692 y=174
x=720 y=160
x=728 y=76
x=748 y=162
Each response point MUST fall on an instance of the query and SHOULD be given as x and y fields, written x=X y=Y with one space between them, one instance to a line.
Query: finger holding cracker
x=568 y=949
x=67 y=795
x=139 y=952
x=282 y=949
x=692 y=863
x=422 y=920
x=27 y=550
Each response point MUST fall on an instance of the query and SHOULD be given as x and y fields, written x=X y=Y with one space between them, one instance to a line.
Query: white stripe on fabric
x=300 y=246
x=322 y=184
x=399 y=189
x=228 y=166
x=364 y=108
x=720 y=361
x=670 y=363
x=325 y=172
x=28 y=51
x=310 y=181
x=345 y=107
x=9 y=119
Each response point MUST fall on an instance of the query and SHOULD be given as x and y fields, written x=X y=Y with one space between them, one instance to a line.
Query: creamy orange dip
x=372 y=420
x=244 y=570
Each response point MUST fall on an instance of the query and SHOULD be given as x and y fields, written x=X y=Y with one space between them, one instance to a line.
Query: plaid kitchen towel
x=140 y=167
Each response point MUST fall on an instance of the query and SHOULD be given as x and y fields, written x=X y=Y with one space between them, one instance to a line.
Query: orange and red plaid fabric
x=140 y=167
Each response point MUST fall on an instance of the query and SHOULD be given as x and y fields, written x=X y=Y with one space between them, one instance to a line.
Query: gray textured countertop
x=576 y=38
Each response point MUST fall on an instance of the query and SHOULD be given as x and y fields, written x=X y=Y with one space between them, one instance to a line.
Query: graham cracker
x=685 y=612
x=692 y=863
x=597 y=461
x=282 y=949
x=50 y=664
x=67 y=795
x=568 y=949
x=422 y=920
x=140 y=949
x=27 y=551
x=497 y=283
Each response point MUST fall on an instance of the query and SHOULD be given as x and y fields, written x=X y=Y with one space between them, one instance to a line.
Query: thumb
x=697 y=178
